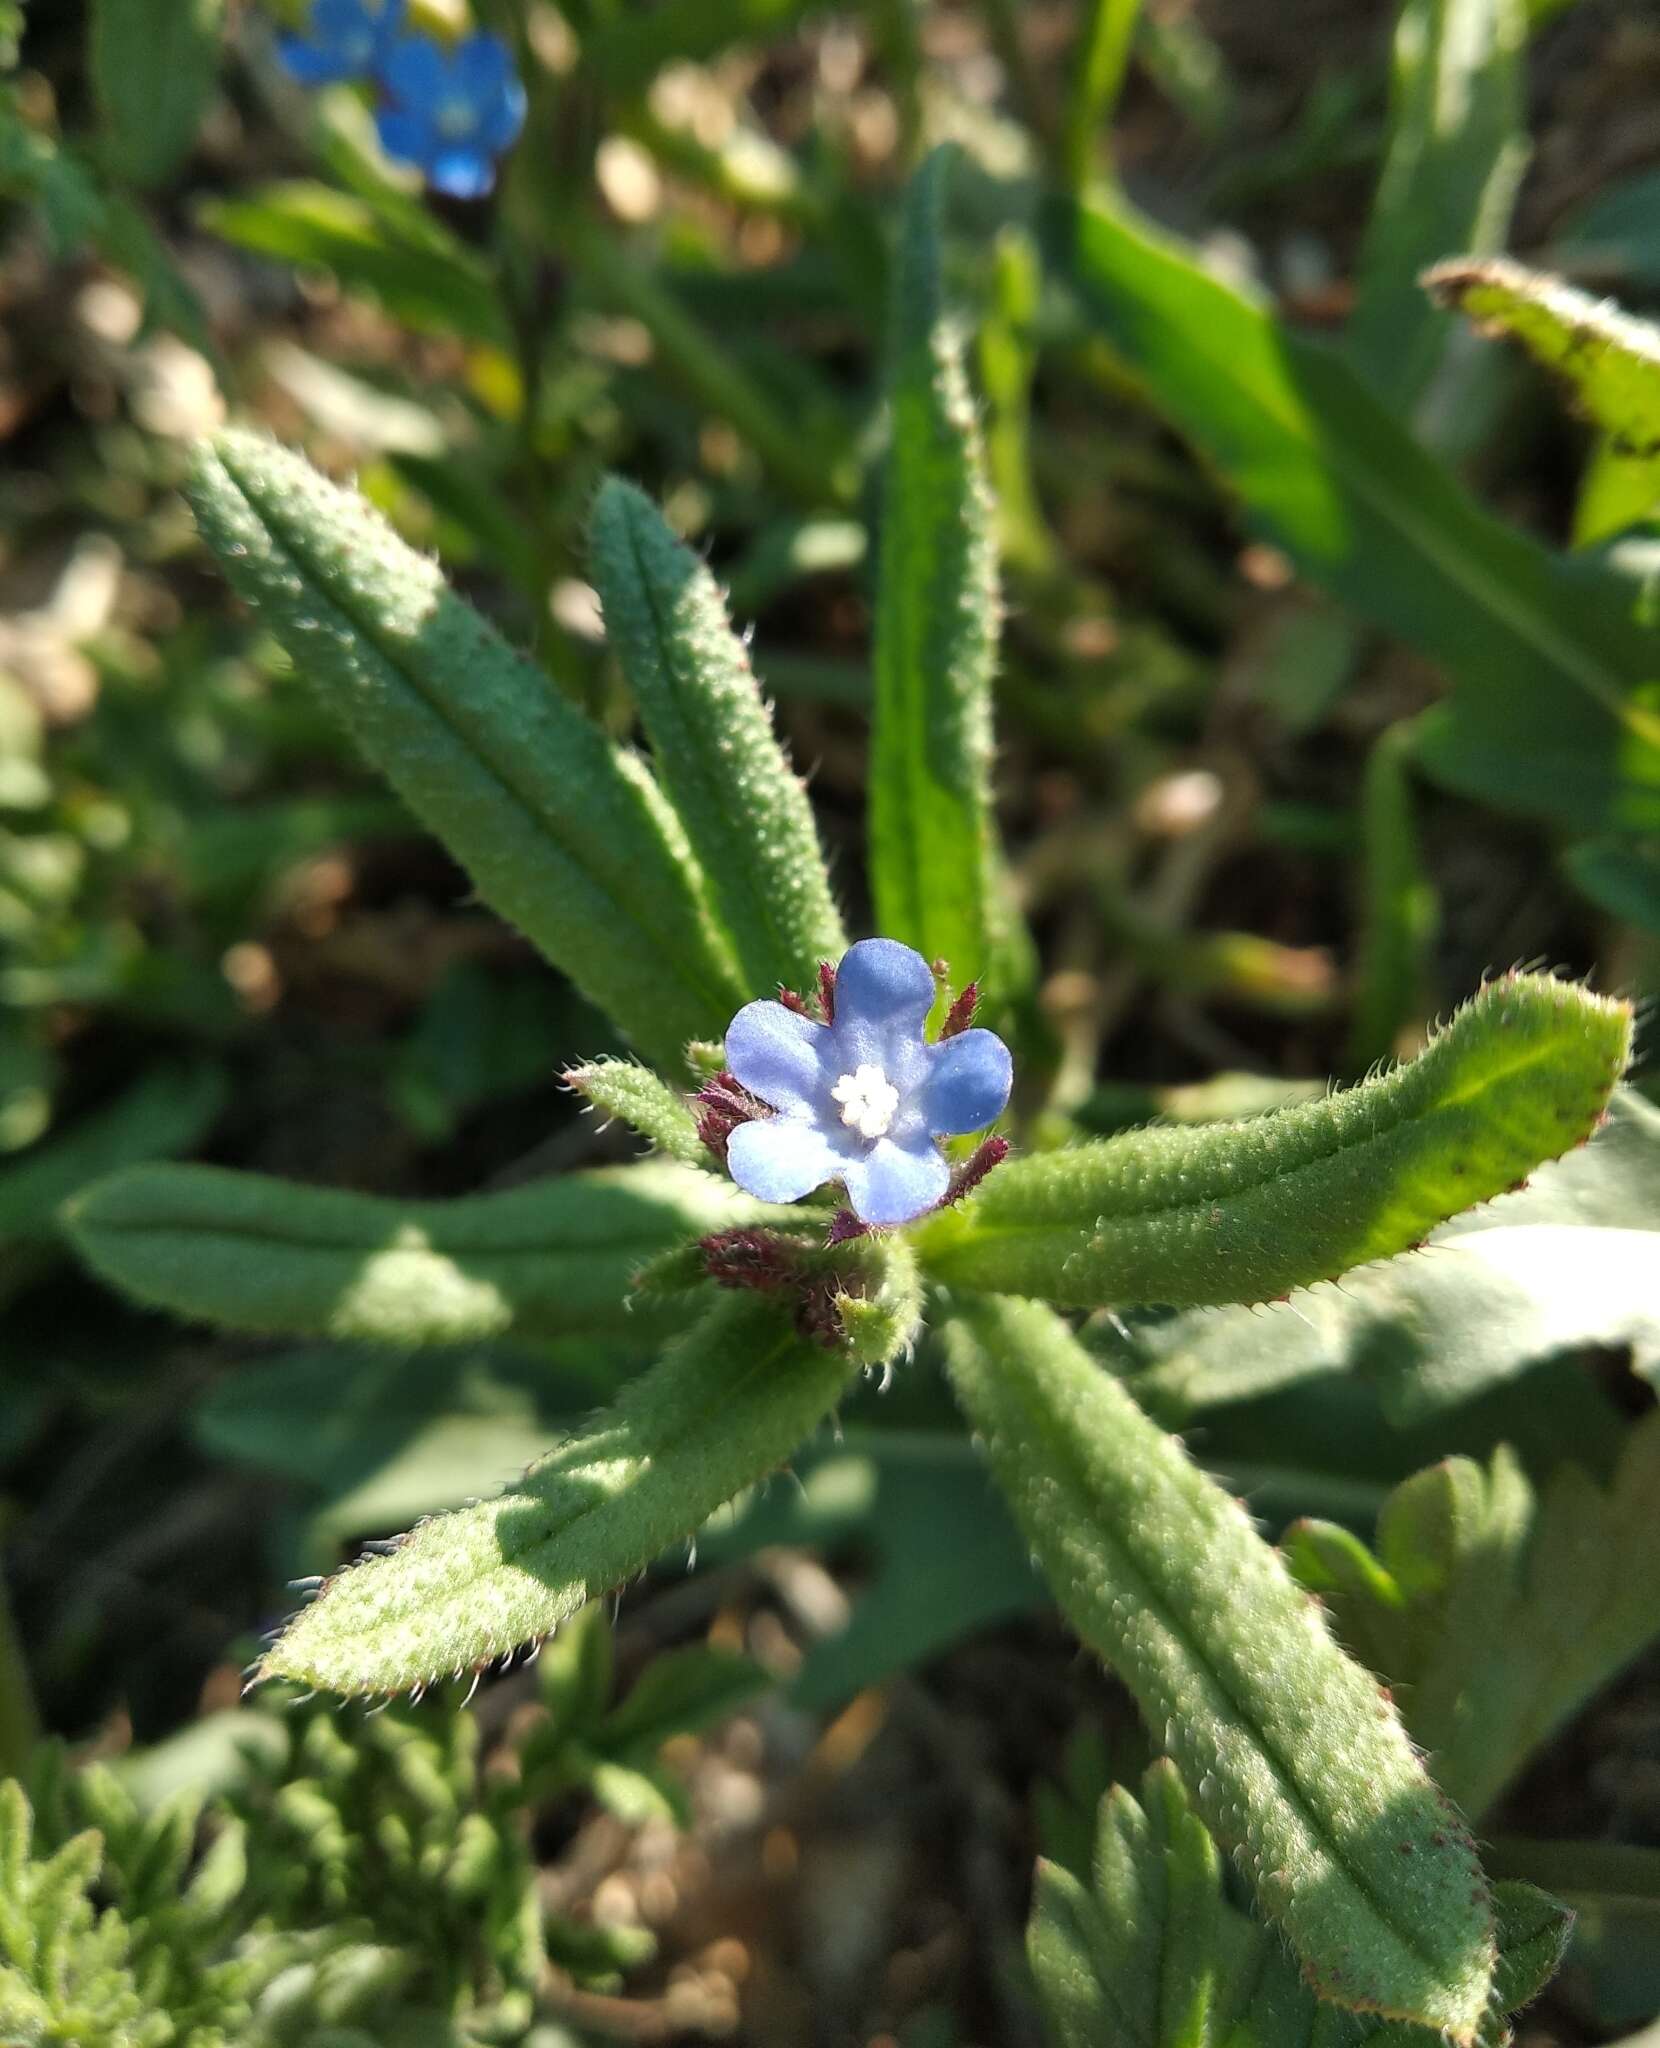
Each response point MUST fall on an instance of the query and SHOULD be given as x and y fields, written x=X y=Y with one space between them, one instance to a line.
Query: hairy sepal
x=562 y=832
x=1245 y=1212
x=1295 y=1759
x=725 y=1407
x=744 y=808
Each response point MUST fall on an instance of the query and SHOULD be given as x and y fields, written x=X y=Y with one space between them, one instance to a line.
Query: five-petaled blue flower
x=862 y=1098
x=348 y=39
x=451 y=112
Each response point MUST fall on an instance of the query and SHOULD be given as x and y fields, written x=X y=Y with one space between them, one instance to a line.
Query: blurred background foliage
x=1327 y=686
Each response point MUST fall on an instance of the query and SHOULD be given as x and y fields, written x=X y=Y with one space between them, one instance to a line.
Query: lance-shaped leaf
x=1547 y=659
x=1502 y=1609
x=727 y=1405
x=1457 y=148
x=1571 y=1263
x=562 y=832
x=1294 y=1758
x=1244 y=1212
x=153 y=69
x=1151 y=1954
x=623 y=1088
x=551 y=1258
x=936 y=623
x=743 y=806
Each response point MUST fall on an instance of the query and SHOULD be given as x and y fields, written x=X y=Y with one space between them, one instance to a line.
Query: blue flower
x=348 y=39
x=862 y=1098
x=451 y=112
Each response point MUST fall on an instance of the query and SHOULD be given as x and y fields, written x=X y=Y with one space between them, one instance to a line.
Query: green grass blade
x=727 y=1405
x=562 y=832
x=1457 y=147
x=1545 y=658
x=936 y=624
x=551 y=1258
x=1293 y=1757
x=742 y=805
x=1216 y=1213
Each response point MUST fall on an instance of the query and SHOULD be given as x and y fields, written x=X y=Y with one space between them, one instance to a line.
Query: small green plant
x=351 y=1884
x=687 y=896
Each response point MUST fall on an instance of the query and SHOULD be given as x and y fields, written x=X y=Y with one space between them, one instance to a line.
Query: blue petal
x=332 y=21
x=481 y=66
x=462 y=172
x=780 y=1158
x=895 y=1183
x=405 y=136
x=416 y=72
x=885 y=985
x=310 y=63
x=968 y=1082
x=502 y=119
x=775 y=1053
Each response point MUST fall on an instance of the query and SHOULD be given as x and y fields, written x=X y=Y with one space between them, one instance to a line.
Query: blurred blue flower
x=862 y=1098
x=452 y=112
x=348 y=39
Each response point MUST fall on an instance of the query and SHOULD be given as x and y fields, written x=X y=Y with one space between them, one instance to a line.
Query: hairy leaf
x=1295 y=1760
x=743 y=807
x=1609 y=362
x=553 y=1257
x=1547 y=661
x=562 y=832
x=936 y=624
x=170 y=1110
x=1151 y=1954
x=1243 y=1212
x=153 y=69
x=1502 y=1609
x=1457 y=146
x=728 y=1404
x=622 y=1088
x=1573 y=1261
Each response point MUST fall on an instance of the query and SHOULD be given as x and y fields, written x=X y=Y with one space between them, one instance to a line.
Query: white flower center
x=454 y=119
x=868 y=1099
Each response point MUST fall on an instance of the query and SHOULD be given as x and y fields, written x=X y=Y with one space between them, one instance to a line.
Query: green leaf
x=1151 y=1954
x=625 y=1089
x=743 y=807
x=728 y=1404
x=170 y=1110
x=1496 y=1605
x=561 y=831
x=1609 y=361
x=1399 y=909
x=936 y=623
x=552 y=1258
x=1242 y=1212
x=1622 y=876
x=1571 y=1262
x=1548 y=666
x=153 y=68
x=680 y=1692
x=1293 y=1757
x=1457 y=148
x=1099 y=66
x=420 y=273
